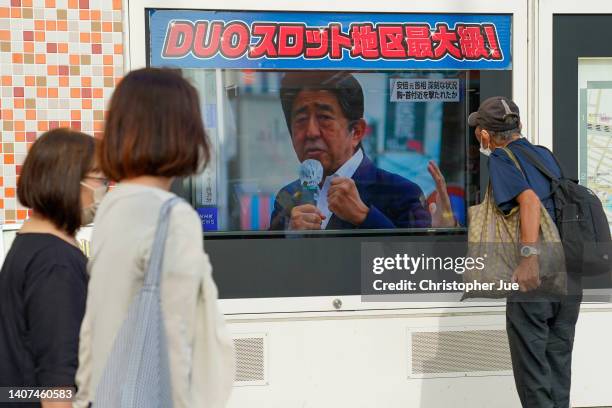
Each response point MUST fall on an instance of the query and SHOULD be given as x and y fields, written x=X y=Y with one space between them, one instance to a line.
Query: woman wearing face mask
x=153 y=134
x=43 y=281
x=98 y=186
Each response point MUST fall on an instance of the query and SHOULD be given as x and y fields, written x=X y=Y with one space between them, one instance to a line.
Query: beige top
x=200 y=349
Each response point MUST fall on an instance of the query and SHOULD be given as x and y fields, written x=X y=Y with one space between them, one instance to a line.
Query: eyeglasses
x=103 y=180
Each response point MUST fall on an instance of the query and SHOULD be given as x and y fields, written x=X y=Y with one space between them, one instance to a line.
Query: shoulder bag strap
x=153 y=275
x=514 y=160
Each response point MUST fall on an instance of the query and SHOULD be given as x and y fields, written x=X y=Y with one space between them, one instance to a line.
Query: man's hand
x=527 y=274
x=306 y=217
x=441 y=211
x=343 y=200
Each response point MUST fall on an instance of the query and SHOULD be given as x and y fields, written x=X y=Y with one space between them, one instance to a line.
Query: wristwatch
x=528 y=250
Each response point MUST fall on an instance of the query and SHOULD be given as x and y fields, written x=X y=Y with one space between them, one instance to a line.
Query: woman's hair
x=51 y=174
x=154 y=127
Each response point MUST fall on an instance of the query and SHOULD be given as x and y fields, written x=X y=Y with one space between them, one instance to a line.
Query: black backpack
x=581 y=220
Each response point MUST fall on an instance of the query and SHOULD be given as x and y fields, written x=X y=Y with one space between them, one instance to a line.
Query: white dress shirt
x=346 y=170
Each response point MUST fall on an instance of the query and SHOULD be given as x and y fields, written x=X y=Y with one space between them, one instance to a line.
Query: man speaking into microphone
x=324 y=113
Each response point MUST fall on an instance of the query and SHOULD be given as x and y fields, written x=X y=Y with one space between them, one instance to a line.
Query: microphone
x=311 y=174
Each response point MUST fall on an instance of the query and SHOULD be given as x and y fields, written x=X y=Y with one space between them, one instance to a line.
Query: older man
x=540 y=327
x=324 y=114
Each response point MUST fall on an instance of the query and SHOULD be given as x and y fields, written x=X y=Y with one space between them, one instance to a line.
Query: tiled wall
x=59 y=62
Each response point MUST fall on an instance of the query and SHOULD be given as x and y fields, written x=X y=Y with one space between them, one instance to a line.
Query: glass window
x=393 y=94
x=595 y=127
x=368 y=109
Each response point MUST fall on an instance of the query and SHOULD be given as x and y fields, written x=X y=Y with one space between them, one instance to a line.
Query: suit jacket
x=394 y=202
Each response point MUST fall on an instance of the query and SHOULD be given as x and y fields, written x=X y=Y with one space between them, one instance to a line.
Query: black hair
x=340 y=83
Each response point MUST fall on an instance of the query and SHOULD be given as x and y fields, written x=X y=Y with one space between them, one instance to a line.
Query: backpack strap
x=538 y=164
x=531 y=157
x=563 y=172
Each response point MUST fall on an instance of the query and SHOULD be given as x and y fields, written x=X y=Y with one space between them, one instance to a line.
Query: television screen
x=331 y=150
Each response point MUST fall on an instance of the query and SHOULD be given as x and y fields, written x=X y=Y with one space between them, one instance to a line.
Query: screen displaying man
x=324 y=112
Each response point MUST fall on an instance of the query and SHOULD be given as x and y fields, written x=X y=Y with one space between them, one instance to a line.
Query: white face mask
x=486 y=152
x=88 y=213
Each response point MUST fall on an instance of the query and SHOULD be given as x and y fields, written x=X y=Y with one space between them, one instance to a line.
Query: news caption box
x=425 y=90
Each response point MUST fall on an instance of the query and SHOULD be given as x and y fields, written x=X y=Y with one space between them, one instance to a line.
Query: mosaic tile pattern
x=59 y=63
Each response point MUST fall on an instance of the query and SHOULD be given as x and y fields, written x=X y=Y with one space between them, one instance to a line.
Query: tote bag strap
x=514 y=160
x=153 y=274
x=138 y=360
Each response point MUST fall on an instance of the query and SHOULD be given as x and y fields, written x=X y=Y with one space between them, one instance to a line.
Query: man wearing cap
x=540 y=327
x=324 y=114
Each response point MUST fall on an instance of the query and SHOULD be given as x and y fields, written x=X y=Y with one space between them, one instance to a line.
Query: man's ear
x=358 y=130
x=485 y=138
